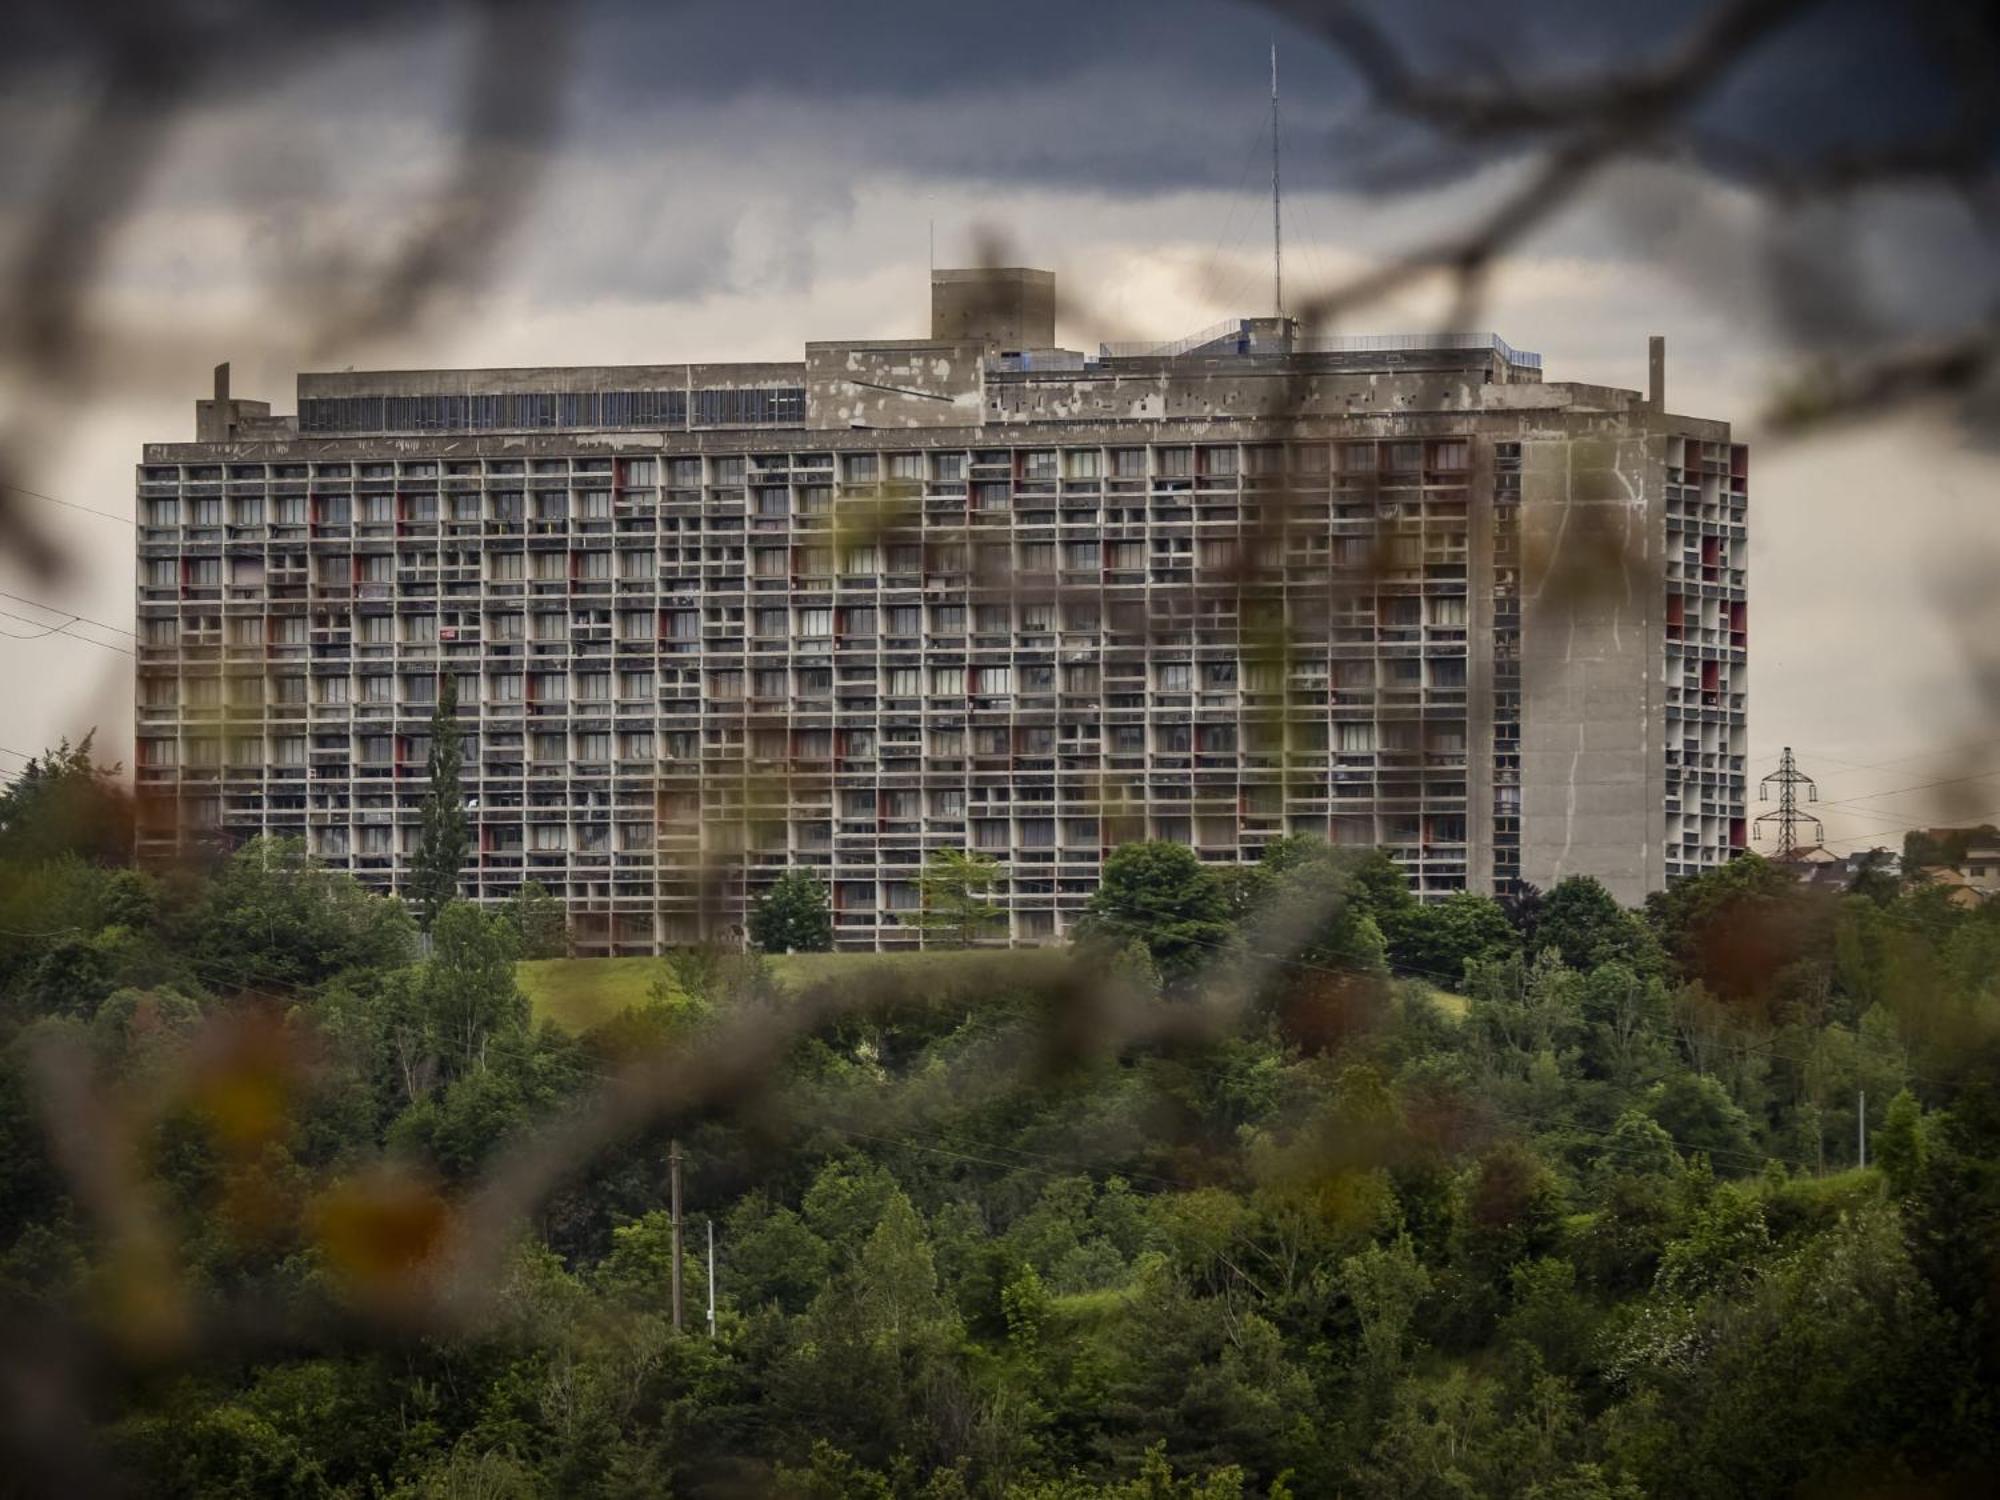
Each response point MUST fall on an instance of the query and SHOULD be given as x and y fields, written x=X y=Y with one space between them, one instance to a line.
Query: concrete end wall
x=1593 y=756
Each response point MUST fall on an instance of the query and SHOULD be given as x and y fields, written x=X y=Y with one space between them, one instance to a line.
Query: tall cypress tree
x=444 y=840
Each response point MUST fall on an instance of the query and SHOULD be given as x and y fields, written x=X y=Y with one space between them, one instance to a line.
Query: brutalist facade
x=711 y=622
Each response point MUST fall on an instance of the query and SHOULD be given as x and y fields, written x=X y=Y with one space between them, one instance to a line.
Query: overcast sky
x=727 y=182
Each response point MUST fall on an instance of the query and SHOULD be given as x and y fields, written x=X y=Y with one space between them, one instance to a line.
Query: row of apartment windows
x=769 y=407
x=593 y=746
x=994 y=834
x=896 y=622
x=729 y=684
x=989 y=559
x=1036 y=464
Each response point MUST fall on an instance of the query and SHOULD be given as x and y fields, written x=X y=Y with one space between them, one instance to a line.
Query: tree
x=540 y=922
x=444 y=838
x=274 y=915
x=468 y=984
x=1439 y=939
x=63 y=802
x=792 y=917
x=954 y=888
x=1583 y=922
x=1159 y=894
x=1899 y=1144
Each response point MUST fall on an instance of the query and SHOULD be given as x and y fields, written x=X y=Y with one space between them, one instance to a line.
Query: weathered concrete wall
x=1004 y=307
x=910 y=384
x=1592 y=744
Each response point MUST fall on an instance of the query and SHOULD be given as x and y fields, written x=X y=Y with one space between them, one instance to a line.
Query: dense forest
x=1276 y=1183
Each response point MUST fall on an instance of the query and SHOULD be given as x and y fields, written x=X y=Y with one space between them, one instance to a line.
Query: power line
x=56 y=610
x=89 y=510
x=61 y=629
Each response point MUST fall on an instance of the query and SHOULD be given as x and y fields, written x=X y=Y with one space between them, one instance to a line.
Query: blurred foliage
x=1052 y=1232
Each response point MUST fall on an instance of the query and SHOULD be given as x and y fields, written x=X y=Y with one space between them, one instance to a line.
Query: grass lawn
x=579 y=993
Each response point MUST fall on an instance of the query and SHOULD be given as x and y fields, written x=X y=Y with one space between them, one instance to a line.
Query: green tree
x=272 y=914
x=1160 y=894
x=1700 y=1116
x=540 y=922
x=1438 y=940
x=954 y=889
x=64 y=803
x=444 y=836
x=468 y=987
x=1583 y=922
x=1899 y=1144
x=792 y=916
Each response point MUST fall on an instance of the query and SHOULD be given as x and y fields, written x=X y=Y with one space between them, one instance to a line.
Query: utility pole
x=1861 y=1126
x=711 y=1278
x=1277 y=222
x=1789 y=778
x=674 y=1177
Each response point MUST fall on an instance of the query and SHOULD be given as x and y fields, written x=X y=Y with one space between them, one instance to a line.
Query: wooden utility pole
x=674 y=1178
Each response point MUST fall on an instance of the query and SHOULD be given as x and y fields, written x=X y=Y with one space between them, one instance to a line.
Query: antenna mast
x=1277 y=221
x=1789 y=779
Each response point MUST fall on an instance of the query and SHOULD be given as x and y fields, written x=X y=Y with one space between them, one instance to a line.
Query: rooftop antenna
x=1789 y=779
x=1277 y=220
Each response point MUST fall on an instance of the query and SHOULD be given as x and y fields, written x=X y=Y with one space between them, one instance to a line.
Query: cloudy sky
x=712 y=181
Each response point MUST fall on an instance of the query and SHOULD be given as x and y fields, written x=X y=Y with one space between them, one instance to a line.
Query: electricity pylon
x=1789 y=779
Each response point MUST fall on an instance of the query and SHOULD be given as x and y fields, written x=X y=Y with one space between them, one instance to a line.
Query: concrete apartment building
x=709 y=622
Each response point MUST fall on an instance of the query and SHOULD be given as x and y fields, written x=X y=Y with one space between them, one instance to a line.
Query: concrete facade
x=711 y=622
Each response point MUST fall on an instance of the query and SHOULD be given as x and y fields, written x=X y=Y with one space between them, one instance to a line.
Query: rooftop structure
x=709 y=622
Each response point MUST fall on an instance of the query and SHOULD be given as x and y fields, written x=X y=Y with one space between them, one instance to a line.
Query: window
x=504 y=687
x=815 y=622
x=1173 y=677
x=859 y=468
x=948 y=467
x=328 y=689
x=1084 y=463
x=505 y=567
x=594 y=564
x=906 y=466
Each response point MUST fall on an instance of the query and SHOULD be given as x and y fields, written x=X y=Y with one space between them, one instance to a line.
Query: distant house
x=1815 y=865
x=1981 y=866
